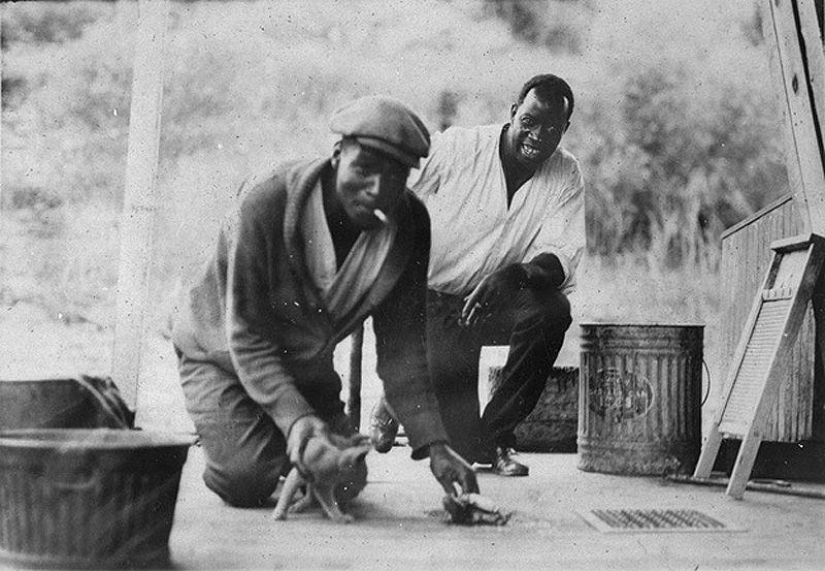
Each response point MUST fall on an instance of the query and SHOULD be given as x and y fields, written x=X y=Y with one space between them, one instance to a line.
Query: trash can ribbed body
x=88 y=498
x=639 y=398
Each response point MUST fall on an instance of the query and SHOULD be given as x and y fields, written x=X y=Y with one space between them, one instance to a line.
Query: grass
x=251 y=83
x=59 y=327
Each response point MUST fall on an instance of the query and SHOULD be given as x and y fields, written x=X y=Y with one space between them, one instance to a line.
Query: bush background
x=676 y=126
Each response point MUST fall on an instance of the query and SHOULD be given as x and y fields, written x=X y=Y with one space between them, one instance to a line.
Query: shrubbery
x=676 y=125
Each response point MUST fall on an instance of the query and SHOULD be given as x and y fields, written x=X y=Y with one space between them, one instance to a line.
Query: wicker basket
x=88 y=497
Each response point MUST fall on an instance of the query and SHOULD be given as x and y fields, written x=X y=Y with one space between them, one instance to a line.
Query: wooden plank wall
x=746 y=255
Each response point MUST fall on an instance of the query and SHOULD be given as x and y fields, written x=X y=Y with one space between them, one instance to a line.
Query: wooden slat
x=141 y=199
x=758 y=215
x=792 y=68
x=819 y=388
x=815 y=56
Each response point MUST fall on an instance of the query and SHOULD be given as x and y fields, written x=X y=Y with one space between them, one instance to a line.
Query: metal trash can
x=640 y=398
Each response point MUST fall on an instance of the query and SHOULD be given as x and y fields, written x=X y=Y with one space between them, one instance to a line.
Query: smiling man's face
x=536 y=128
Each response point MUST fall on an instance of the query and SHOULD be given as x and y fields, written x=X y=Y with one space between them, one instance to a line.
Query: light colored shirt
x=342 y=289
x=474 y=233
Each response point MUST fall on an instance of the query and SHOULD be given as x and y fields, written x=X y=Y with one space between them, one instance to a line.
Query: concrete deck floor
x=400 y=525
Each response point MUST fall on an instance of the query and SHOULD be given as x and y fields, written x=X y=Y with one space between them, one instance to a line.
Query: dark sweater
x=254 y=310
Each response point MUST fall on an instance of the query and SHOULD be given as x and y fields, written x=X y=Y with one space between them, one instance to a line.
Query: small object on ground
x=474 y=509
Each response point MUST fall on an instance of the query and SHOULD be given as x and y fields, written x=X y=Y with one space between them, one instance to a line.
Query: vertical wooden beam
x=141 y=197
x=811 y=35
x=355 y=376
x=818 y=420
x=811 y=14
x=798 y=65
x=2 y=9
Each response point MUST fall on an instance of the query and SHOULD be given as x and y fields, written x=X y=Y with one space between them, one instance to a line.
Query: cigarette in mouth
x=381 y=216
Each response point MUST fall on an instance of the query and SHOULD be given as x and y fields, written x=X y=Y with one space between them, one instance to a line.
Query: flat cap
x=386 y=125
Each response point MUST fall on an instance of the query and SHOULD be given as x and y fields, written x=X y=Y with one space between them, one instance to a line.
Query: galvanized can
x=640 y=398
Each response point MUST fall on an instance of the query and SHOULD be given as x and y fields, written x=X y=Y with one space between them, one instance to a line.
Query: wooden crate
x=553 y=424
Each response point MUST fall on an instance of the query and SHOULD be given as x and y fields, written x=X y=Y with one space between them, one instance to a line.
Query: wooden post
x=818 y=421
x=140 y=198
x=355 y=375
x=798 y=66
x=1 y=106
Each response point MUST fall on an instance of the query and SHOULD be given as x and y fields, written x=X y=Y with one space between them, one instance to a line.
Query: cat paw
x=301 y=504
x=342 y=518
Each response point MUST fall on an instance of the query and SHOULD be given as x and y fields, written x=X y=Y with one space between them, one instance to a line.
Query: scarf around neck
x=342 y=289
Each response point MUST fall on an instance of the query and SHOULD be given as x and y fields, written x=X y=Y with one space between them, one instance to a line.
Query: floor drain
x=653 y=520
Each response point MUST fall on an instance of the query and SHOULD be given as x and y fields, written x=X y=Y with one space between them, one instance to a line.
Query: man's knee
x=242 y=484
x=558 y=315
x=245 y=456
x=551 y=313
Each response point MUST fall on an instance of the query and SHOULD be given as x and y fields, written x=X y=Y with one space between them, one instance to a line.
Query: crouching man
x=507 y=204
x=309 y=251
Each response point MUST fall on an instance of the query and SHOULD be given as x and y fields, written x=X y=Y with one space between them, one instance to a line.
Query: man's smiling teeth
x=529 y=151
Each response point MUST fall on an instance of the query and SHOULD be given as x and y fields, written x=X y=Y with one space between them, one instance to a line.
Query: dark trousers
x=533 y=324
x=245 y=451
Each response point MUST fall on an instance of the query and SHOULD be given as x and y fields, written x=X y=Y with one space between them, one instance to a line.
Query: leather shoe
x=506 y=465
x=383 y=429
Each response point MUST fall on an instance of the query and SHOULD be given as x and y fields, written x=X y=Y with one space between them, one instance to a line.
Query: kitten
x=339 y=474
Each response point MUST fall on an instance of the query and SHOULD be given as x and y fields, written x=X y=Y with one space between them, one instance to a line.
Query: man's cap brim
x=407 y=159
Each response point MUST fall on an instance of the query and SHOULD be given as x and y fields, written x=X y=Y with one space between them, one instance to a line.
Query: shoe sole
x=511 y=474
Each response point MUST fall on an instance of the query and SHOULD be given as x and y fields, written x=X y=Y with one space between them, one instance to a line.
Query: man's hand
x=492 y=290
x=303 y=429
x=452 y=470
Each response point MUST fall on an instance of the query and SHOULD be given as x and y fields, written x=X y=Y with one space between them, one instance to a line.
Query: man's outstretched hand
x=452 y=470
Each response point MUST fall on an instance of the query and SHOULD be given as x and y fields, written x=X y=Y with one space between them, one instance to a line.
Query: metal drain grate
x=652 y=520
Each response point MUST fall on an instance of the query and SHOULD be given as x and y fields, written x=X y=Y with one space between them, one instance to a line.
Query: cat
x=339 y=474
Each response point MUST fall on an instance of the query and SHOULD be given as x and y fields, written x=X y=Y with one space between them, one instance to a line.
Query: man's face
x=535 y=130
x=367 y=180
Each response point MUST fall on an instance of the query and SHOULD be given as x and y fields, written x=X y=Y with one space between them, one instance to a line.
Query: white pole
x=2 y=10
x=141 y=197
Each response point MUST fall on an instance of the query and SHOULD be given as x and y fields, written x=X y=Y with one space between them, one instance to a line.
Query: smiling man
x=309 y=251
x=507 y=210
